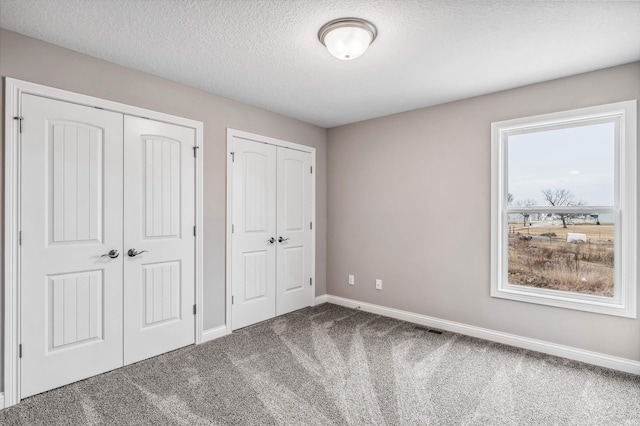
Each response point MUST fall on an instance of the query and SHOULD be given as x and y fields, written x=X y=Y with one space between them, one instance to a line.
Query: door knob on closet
x=133 y=253
x=281 y=240
x=271 y=240
x=112 y=254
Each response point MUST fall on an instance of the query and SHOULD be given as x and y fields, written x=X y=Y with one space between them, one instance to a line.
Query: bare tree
x=561 y=198
x=509 y=198
x=525 y=203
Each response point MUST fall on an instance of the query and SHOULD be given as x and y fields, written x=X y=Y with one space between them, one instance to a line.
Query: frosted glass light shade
x=347 y=42
x=347 y=38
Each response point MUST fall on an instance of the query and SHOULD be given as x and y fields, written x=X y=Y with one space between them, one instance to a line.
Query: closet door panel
x=253 y=250
x=294 y=201
x=71 y=218
x=159 y=245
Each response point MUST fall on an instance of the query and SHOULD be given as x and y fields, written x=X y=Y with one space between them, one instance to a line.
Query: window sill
x=563 y=299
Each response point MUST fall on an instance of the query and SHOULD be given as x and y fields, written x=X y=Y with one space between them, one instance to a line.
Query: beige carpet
x=330 y=365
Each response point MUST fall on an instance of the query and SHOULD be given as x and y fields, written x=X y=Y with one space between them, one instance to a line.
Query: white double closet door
x=272 y=236
x=97 y=188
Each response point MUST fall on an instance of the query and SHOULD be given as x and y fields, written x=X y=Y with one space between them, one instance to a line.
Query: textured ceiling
x=266 y=52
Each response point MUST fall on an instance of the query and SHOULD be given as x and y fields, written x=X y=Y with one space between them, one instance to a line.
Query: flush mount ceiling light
x=347 y=38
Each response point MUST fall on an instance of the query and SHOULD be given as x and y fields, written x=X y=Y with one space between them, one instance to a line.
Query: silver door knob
x=133 y=252
x=112 y=254
x=271 y=240
x=280 y=239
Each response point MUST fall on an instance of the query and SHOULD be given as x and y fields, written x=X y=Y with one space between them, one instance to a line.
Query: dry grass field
x=594 y=232
x=540 y=257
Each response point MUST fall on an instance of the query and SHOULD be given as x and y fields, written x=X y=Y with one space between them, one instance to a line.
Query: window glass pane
x=575 y=166
x=577 y=258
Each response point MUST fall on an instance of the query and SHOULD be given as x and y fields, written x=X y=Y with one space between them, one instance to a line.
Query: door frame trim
x=232 y=133
x=14 y=89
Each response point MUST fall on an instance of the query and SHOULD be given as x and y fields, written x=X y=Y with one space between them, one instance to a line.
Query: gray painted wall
x=409 y=203
x=35 y=61
x=409 y=192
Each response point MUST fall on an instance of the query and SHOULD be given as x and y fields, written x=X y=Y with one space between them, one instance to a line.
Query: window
x=564 y=209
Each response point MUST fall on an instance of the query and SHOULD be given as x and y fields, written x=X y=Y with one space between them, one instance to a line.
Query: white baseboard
x=1 y=400
x=595 y=358
x=320 y=299
x=214 y=333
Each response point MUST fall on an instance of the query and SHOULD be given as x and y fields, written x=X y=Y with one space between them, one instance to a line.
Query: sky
x=580 y=159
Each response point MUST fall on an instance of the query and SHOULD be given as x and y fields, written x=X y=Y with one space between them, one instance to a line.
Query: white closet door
x=71 y=215
x=253 y=240
x=293 y=271
x=159 y=291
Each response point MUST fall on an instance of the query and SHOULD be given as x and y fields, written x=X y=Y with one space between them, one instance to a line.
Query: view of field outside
x=540 y=256
x=564 y=167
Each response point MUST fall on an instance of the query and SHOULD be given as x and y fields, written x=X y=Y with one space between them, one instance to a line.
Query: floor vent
x=430 y=330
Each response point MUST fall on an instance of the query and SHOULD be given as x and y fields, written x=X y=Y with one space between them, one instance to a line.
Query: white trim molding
x=321 y=299
x=595 y=358
x=215 y=333
x=11 y=228
x=624 y=209
x=14 y=89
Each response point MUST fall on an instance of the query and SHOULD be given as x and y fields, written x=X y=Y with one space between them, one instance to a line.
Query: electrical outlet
x=378 y=284
x=352 y=280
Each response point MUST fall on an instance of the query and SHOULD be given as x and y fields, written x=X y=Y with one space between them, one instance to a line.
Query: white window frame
x=623 y=303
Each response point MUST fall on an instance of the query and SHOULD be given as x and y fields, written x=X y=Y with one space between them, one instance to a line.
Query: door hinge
x=232 y=300
x=233 y=157
x=311 y=170
x=310 y=225
x=233 y=229
x=20 y=350
x=20 y=238
x=310 y=281
x=19 y=123
x=194 y=309
x=194 y=230
x=195 y=150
